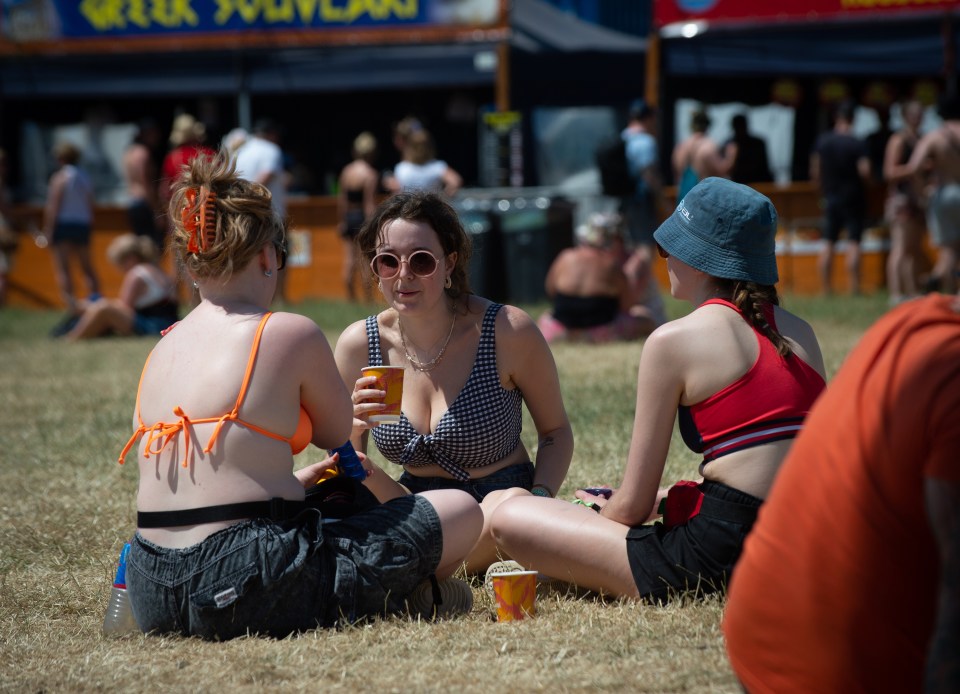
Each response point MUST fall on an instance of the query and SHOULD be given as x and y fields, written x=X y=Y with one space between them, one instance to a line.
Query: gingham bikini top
x=481 y=426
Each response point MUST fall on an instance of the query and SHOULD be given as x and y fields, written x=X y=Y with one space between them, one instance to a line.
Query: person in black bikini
x=469 y=366
x=592 y=298
x=356 y=201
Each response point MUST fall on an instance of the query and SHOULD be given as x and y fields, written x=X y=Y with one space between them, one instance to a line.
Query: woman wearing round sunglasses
x=469 y=365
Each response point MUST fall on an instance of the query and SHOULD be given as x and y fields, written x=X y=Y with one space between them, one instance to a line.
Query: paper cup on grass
x=516 y=594
x=390 y=379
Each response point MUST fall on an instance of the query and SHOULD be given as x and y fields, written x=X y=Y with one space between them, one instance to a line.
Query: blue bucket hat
x=724 y=229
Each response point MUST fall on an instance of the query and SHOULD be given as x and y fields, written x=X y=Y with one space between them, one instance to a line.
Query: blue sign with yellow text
x=38 y=19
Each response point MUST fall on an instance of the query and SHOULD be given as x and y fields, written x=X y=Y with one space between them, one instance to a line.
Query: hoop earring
x=448 y=283
x=380 y=285
x=268 y=273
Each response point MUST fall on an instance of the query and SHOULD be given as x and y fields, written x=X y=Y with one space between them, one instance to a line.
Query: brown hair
x=142 y=247
x=67 y=152
x=243 y=217
x=430 y=209
x=419 y=147
x=750 y=298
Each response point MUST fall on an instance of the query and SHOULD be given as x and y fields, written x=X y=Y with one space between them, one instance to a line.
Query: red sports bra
x=768 y=403
x=161 y=433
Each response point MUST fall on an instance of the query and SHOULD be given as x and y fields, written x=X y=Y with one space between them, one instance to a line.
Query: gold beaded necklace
x=416 y=363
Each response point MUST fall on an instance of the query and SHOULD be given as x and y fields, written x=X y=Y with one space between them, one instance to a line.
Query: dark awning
x=214 y=73
x=539 y=27
x=904 y=47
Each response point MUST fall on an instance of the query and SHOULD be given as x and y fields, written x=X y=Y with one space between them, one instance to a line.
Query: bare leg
x=825 y=267
x=461 y=521
x=853 y=267
x=912 y=248
x=485 y=551
x=102 y=317
x=61 y=270
x=349 y=268
x=86 y=265
x=895 y=261
x=948 y=280
x=566 y=541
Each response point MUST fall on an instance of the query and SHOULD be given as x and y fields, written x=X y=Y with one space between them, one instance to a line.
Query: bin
x=486 y=260
x=534 y=231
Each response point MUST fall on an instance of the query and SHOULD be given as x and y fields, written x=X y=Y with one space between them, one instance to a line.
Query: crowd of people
x=256 y=553
x=233 y=538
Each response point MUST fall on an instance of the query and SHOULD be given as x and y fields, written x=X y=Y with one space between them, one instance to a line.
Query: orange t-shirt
x=836 y=589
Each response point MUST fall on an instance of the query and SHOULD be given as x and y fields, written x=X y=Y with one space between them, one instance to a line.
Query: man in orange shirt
x=850 y=579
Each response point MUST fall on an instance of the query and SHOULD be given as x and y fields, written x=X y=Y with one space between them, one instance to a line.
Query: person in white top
x=260 y=160
x=147 y=304
x=421 y=170
x=67 y=222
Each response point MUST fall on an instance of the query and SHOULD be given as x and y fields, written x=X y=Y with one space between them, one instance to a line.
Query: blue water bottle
x=350 y=464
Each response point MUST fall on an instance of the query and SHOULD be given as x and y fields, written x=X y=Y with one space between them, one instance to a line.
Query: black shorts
x=844 y=213
x=697 y=556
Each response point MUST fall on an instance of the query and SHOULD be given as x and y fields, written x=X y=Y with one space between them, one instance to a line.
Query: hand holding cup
x=373 y=405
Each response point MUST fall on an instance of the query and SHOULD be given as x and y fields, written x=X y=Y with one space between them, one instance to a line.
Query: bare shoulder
x=514 y=322
x=294 y=328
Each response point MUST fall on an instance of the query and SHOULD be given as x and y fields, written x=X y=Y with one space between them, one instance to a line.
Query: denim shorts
x=277 y=578
x=697 y=556
x=519 y=475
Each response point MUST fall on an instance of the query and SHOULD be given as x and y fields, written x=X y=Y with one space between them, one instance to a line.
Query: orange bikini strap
x=142 y=429
x=234 y=414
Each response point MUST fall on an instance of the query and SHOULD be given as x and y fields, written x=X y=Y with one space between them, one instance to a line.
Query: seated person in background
x=469 y=367
x=593 y=301
x=740 y=371
x=226 y=544
x=147 y=303
x=849 y=580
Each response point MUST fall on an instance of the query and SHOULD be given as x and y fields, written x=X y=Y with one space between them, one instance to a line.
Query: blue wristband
x=540 y=490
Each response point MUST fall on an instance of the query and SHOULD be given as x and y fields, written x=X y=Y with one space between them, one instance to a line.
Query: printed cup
x=516 y=595
x=390 y=379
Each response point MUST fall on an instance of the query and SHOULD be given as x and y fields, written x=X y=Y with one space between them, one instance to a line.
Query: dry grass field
x=66 y=509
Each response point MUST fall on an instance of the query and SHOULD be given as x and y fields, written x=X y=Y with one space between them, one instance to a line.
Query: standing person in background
x=356 y=201
x=640 y=210
x=421 y=170
x=746 y=154
x=402 y=130
x=841 y=166
x=904 y=208
x=187 y=140
x=232 y=142
x=698 y=157
x=141 y=174
x=469 y=367
x=9 y=239
x=260 y=159
x=739 y=372
x=67 y=223
x=939 y=150
x=849 y=580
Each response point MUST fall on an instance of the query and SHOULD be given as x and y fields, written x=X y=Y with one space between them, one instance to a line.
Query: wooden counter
x=315 y=265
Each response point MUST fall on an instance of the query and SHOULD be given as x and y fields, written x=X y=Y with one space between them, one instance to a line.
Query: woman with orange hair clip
x=227 y=542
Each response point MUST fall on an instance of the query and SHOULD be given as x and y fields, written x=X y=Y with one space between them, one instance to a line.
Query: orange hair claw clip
x=199 y=218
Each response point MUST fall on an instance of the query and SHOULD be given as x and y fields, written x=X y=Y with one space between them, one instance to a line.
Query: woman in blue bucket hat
x=739 y=371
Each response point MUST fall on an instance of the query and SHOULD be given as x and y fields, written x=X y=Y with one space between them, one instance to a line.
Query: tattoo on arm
x=546 y=441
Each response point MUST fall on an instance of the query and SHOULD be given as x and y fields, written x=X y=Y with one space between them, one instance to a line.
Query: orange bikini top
x=162 y=433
